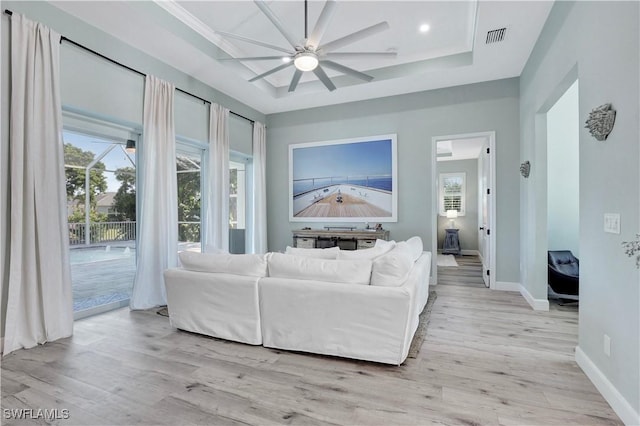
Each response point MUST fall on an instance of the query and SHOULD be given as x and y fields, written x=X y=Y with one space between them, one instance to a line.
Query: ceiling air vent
x=496 y=36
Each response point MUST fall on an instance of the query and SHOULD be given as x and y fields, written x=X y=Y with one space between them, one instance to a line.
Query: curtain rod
x=113 y=61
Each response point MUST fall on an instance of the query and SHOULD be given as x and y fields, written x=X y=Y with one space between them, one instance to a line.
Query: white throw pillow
x=318 y=253
x=416 y=247
x=392 y=269
x=370 y=253
x=308 y=268
x=252 y=265
x=384 y=243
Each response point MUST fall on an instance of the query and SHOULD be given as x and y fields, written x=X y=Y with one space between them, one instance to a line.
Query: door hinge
x=488 y=150
x=488 y=272
x=488 y=231
x=488 y=191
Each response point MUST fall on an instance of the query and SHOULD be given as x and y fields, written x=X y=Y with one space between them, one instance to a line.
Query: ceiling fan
x=309 y=54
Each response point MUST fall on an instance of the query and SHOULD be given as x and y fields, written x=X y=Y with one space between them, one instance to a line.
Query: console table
x=356 y=239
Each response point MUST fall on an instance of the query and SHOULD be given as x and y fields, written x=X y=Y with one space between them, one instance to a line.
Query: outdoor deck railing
x=102 y=232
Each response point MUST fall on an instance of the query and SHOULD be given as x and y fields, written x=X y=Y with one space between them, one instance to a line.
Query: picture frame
x=346 y=180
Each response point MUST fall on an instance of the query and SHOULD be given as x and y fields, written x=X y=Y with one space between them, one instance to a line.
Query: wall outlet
x=607 y=345
x=612 y=223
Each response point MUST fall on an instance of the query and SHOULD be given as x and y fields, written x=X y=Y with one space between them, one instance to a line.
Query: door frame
x=491 y=136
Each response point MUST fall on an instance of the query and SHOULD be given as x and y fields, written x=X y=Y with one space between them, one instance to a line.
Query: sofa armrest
x=216 y=304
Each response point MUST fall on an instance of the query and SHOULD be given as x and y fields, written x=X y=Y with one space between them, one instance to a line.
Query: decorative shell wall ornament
x=632 y=248
x=600 y=121
x=525 y=168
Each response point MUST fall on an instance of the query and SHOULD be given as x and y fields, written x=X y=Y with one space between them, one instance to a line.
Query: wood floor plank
x=487 y=359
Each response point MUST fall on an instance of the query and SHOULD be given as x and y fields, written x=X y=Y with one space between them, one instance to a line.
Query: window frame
x=463 y=192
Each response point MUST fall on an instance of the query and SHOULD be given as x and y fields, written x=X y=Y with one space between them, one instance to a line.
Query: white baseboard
x=620 y=405
x=536 y=304
x=507 y=286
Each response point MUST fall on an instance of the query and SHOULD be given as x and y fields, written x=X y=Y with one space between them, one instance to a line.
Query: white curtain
x=158 y=216
x=39 y=298
x=259 y=217
x=216 y=236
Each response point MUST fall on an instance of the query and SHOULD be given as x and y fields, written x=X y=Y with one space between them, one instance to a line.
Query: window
x=237 y=204
x=452 y=193
x=237 y=189
x=188 y=163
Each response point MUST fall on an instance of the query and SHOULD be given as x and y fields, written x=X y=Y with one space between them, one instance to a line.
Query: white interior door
x=484 y=211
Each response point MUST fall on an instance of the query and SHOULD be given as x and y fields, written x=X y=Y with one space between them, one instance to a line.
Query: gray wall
x=596 y=43
x=467 y=224
x=416 y=118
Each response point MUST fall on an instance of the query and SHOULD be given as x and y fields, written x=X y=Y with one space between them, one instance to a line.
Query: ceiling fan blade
x=254 y=58
x=322 y=23
x=275 y=21
x=250 y=40
x=358 y=55
x=271 y=71
x=347 y=70
x=324 y=78
x=353 y=37
x=295 y=80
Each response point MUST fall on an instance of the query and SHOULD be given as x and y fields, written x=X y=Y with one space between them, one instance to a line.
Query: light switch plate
x=612 y=223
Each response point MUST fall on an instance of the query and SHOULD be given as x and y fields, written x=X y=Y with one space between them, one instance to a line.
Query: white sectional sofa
x=356 y=304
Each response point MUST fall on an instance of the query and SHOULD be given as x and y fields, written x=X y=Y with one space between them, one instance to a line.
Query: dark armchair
x=564 y=273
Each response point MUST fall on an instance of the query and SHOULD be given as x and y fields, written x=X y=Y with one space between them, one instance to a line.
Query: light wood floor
x=467 y=273
x=487 y=359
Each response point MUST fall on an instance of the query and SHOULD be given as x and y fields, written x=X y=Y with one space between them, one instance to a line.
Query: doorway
x=100 y=176
x=563 y=189
x=463 y=200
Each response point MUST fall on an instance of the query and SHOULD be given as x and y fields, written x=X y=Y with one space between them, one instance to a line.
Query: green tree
x=75 y=177
x=124 y=202
x=188 y=199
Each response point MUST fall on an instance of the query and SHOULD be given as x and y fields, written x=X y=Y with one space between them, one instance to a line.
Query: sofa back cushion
x=318 y=253
x=392 y=269
x=331 y=270
x=252 y=265
x=370 y=253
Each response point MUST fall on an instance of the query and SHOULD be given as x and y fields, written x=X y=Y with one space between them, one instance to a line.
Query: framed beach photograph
x=347 y=180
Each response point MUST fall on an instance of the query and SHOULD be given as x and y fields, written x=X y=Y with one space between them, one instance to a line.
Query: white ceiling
x=453 y=52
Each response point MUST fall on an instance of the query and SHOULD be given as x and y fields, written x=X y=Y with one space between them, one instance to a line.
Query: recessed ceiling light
x=424 y=28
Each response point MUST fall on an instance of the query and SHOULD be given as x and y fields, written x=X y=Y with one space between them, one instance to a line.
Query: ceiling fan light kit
x=306 y=61
x=311 y=55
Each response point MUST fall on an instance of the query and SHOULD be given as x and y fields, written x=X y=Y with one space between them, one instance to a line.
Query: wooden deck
x=349 y=207
x=487 y=359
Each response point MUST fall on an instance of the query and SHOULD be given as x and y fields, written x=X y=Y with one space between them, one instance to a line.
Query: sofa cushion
x=331 y=270
x=392 y=269
x=252 y=265
x=384 y=243
x=370 y=253
x=318 y=253
x=416 y=247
